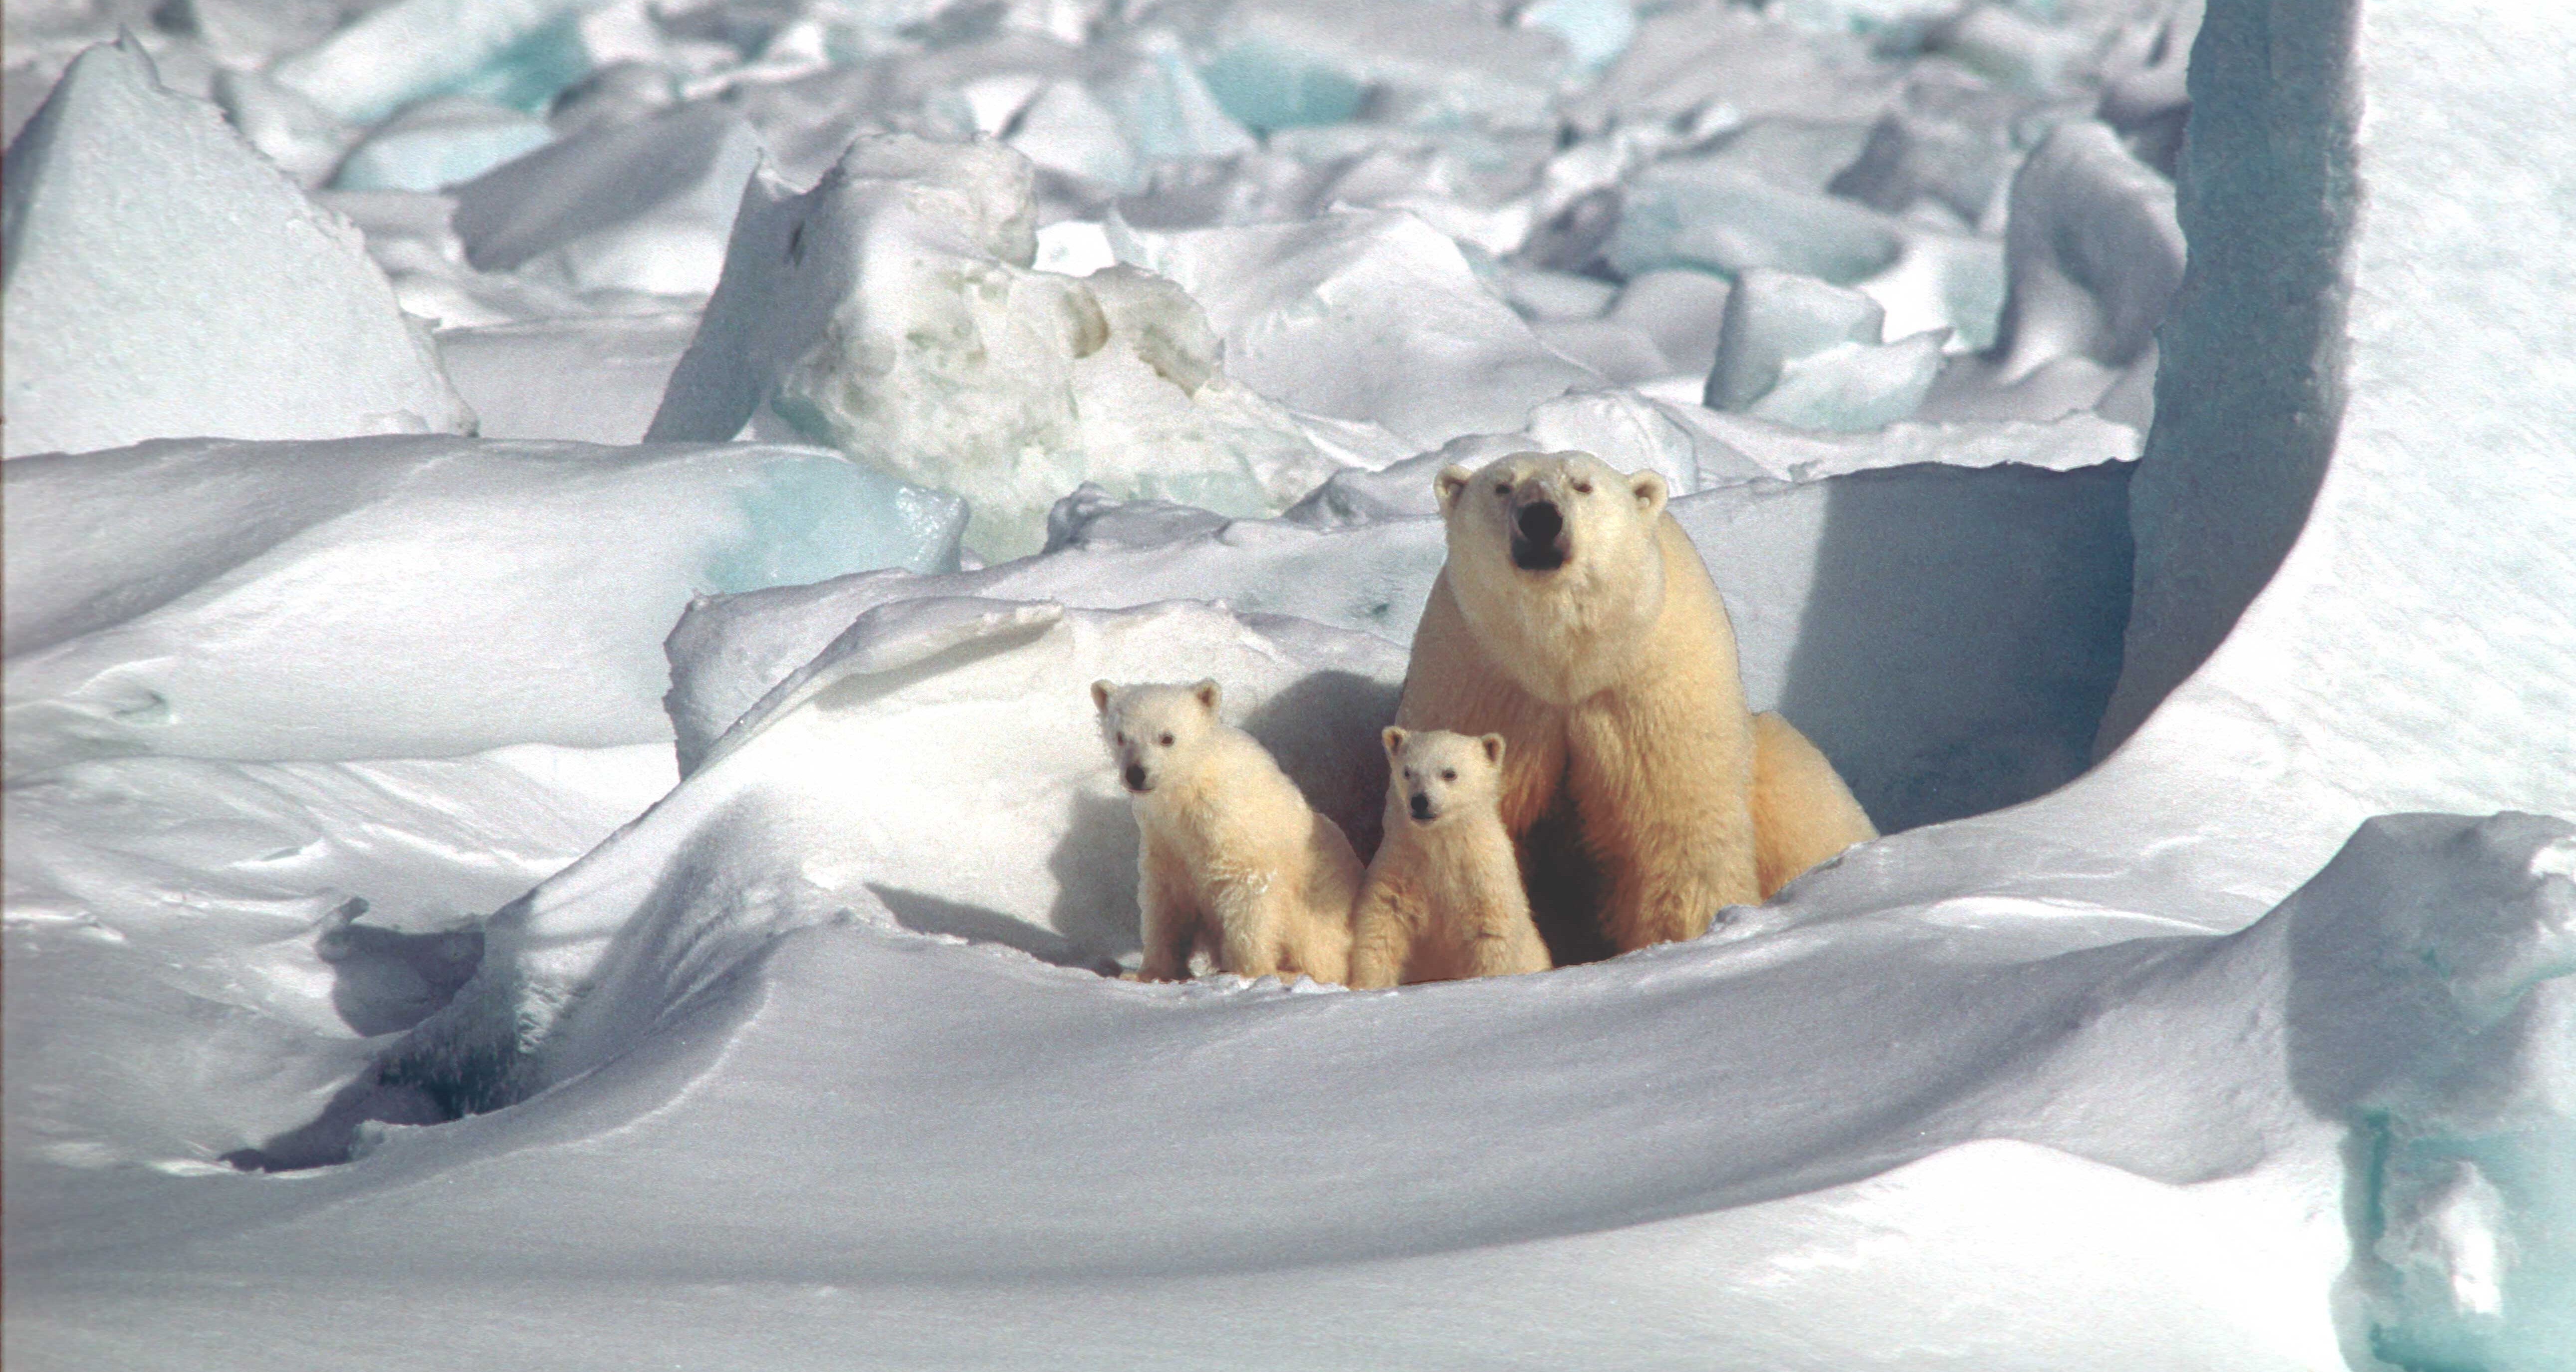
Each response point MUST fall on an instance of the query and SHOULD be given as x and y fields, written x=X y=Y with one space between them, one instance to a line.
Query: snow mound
x=1363 y=315
x=164 y=281
x=891 y=312
x=400 y=597
x=645 y=207
x=840 y=795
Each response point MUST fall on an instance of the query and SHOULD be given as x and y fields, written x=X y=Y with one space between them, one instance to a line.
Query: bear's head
x=1557 y=563
x=1434 y=775
x=1151 y=729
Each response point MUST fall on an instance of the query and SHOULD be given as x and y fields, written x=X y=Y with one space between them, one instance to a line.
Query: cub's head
x=1543 y=513
x=1150 y=729
x=1433 y=774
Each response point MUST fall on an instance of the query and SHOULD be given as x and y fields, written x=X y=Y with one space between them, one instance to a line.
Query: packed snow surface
x=555 y=553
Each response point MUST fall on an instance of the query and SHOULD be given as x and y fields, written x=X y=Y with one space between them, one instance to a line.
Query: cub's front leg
x=1168 y=912
x=1381 y=935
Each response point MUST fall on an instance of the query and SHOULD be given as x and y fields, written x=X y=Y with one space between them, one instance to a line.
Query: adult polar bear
x=1574 y=618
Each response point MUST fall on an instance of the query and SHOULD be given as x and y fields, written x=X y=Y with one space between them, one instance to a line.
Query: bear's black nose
x=1538 y=537
x=1135 y=776
x=1422 y=807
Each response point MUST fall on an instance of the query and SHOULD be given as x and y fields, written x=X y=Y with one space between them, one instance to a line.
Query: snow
x=342 y=578
x=502 y=899
x=164 y=281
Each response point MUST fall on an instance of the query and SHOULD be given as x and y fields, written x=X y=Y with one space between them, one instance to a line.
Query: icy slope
x=400 y=597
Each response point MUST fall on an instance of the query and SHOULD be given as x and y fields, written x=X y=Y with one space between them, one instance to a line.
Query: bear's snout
x=1135 y=777
x=1538 y=537
x=1421 y=808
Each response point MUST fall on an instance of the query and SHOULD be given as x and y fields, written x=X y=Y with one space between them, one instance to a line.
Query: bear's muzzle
x=1539 y=541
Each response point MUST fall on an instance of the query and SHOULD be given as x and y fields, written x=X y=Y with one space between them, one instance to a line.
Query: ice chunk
x=1621 y=353
x=1363 y=315
x=589 y=378
x=1948 y=139
x=163 y=280
x=2146 y=101
x=892 y=313
x=2460 y=1081
x=1595 y=32
x=642 y=207
x=1711 y=215
x=433 y=144
x=1166 y=110
x=1714 y=59
x=1541 y=294
x=400 y=597
x=2092 y=256
x=1683 y=311
x=518 y=52
x=1067 y=131
x=1277 y=64
x=1806 y=353
x=299 y=136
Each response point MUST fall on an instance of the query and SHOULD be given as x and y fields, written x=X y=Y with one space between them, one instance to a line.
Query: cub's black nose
x=1422 y=807
x=1135 y=776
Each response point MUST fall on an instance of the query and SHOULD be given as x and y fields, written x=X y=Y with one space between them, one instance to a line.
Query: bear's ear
x=1449 y=483
x=1648 y=487
x=1206 y=692
x=1493 y=749
x=1394 y=740
x=1100 y=696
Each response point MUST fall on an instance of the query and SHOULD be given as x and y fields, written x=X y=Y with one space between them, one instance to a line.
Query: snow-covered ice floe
x=499 y=899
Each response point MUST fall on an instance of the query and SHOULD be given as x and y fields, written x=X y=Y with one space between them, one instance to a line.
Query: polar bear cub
x=1230 y=856
x=1443 y=898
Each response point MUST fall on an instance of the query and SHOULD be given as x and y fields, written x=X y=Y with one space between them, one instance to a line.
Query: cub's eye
x=1122 y=740
x=1583 y=488
x=1448 y=774
x=1165 y=740
x=1503 y=488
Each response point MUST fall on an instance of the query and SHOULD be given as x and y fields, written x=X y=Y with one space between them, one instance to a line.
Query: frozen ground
x=554 y=552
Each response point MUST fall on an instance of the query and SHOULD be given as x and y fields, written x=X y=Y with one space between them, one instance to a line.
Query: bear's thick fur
x=1230 y=857
x=1574 y=618
x=1443 y=898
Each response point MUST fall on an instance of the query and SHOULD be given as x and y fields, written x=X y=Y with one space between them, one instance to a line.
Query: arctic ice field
x=555 y=550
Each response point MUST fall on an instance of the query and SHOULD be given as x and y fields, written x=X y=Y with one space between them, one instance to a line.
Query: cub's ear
x=1394 y=740
x=1100 y=696
x=1206 y=691
x=1449 y=483
x=1493 y=748
x=1648 y=487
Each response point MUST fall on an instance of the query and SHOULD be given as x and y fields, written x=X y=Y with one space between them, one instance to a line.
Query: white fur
x=1443 y=897
x=1230 y=857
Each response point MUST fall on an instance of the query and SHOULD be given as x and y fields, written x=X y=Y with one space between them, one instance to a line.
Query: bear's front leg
x=1381 y=938
x=1666 y=810
x=1168 y=914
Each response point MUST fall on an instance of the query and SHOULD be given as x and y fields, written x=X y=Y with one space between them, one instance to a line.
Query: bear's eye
x=1122 y=740
x=1165 y=740
x=1502 y=488
x=1583 y=488
x=1448 y=774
